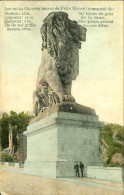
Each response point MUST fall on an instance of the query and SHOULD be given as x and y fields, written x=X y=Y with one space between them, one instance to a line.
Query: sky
x=99 y=84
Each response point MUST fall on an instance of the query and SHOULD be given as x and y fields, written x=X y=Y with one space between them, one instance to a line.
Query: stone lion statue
x=61 y=41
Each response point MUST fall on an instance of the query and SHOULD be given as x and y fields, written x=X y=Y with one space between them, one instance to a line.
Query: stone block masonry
x=55 y=143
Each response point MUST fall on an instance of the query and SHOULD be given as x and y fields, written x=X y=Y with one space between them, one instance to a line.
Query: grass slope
x=112 y=144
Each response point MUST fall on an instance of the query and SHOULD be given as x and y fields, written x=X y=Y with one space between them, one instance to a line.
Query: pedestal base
x=55 y=143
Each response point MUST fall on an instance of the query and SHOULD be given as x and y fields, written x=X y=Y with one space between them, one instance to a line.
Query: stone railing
x=106 y=173
x=16 y=165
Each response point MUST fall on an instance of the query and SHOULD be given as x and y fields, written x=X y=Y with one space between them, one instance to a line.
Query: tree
x=5 y=130
x=18 y=122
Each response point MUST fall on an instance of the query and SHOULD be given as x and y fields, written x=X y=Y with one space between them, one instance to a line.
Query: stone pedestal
x=55 y=143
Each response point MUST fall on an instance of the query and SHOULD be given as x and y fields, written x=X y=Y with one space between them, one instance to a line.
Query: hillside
x=112 y=145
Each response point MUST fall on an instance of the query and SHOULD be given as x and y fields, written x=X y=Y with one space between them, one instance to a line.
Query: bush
x=111 y=133
x=120 y=134
x=6 y=157
x=113 y=164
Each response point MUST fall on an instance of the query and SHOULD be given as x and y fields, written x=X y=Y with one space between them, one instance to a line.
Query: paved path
x=13 y=183
x=95 y=183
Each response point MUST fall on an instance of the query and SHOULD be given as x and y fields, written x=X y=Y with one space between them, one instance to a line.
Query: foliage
x=120 y=134
x=109 y=163
x=18 y=123
x=110 y=133
x=6 y=157
x=5 y=130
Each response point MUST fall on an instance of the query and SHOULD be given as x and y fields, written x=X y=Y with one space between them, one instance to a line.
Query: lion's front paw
x=68 y=98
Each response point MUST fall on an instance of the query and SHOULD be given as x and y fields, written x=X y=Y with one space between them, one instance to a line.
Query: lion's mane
x=61 y=37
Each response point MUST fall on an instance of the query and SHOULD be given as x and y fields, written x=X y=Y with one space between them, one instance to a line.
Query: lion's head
x=62 y=39
x=57 y=28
